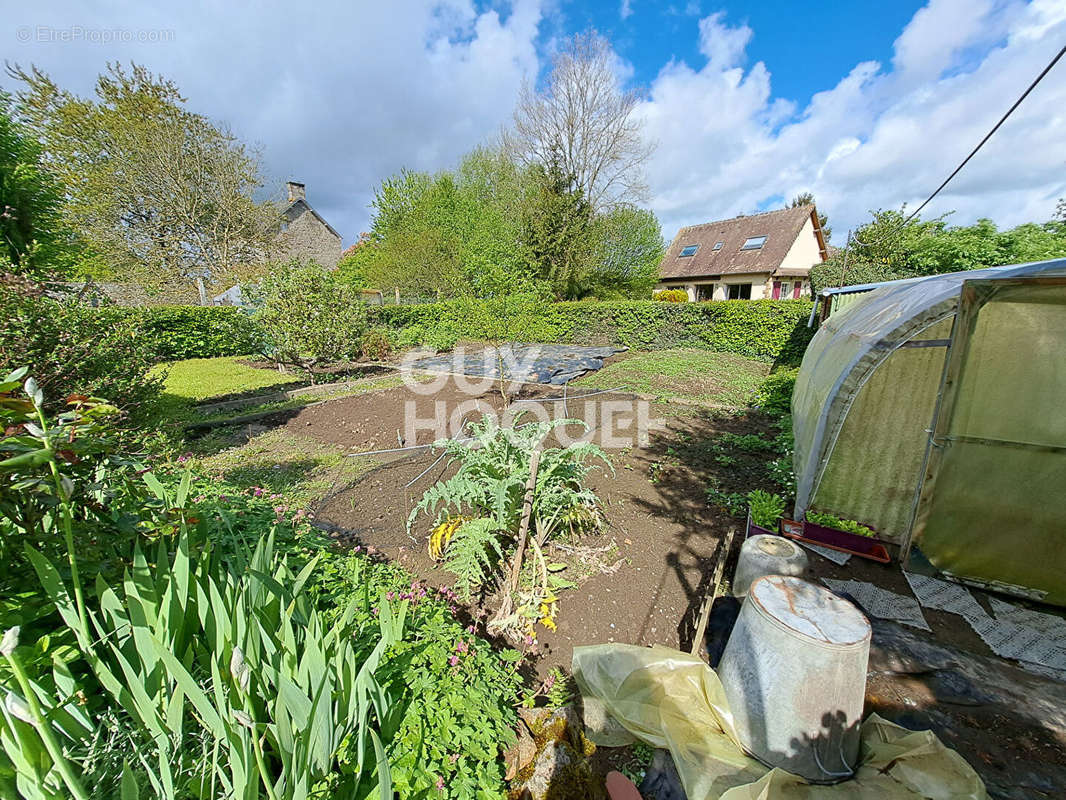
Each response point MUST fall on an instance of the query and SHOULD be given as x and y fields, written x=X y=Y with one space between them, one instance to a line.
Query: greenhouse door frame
x=973 y=296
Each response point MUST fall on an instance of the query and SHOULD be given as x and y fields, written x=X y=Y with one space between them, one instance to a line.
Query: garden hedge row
x=774 y=330
x=768 y=329
x=178 y=332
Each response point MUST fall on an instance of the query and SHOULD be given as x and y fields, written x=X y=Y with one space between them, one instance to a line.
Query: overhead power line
x=988 y=135
x=996 y=127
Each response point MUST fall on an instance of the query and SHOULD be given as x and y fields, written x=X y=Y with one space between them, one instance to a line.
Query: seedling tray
x=862 y=546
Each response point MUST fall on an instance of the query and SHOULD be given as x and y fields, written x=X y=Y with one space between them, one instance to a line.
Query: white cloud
x=339 y=97
x=880 y=137
x=723 y=46
x=625 y=10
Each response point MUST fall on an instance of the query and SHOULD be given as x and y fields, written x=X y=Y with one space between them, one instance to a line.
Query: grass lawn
x=698 y=376
x=299 y=469
x=198 y=379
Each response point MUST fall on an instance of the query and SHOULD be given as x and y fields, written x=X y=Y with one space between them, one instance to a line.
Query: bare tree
x=584 y=121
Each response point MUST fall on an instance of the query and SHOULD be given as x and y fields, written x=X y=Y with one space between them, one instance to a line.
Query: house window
x=689 y=250
x=754 y=243
x=704 y=292
x=718 y=245
x=738 y=291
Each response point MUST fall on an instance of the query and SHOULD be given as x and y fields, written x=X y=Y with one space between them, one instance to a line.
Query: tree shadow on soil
x=691 y=461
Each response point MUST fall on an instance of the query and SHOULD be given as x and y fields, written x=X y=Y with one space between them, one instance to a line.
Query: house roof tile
x=779 y=227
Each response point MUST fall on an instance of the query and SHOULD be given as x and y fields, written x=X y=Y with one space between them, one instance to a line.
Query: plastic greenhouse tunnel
x=932 y=410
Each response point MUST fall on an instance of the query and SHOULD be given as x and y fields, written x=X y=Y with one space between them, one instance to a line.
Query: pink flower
x=184 y=457
x=454 y=661
x=440 y=784
x=462 y=647
x=453 y=757
x=390 y=595
x=470 y=629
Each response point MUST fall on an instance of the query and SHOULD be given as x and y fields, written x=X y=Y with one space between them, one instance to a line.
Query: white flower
x=10 y=641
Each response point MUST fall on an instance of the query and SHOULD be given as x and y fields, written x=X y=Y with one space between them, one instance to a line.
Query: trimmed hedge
x=178 y=332
x=775 y=330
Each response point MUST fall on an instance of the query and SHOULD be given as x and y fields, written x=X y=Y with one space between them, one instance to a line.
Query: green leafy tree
x=890 y=247
x=807 y=199
x=628 y=247
x=557 y=229
x=455 y=233
x=160 y=194
x=33 y=242
x=351 y=269
x=491 y=228
x=310 y=317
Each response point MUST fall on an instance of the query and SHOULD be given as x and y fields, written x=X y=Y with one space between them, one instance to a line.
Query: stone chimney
x=296 y=191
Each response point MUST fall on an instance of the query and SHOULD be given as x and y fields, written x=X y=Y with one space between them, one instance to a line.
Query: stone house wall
x=305 y=238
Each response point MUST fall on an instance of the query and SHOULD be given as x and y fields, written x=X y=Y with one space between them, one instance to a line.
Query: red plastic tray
x=861 y=546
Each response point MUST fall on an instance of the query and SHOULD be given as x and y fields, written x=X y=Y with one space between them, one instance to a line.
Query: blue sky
x=867 y=105
x=806 y=47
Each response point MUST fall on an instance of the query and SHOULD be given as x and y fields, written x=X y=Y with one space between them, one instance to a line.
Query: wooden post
x=397 y=295
x=708 y=601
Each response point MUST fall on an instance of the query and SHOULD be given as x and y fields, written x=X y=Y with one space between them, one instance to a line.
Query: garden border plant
x=185 y=652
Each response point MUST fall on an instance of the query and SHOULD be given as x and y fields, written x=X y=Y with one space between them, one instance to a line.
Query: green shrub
x=774 y=395
x=77 y=349
x=780 y=470
x=310 y=318
x=439 y=339
x=376 y=344
x=767 y=329
x=175 y=333
x=671 y=296
x=484 y=496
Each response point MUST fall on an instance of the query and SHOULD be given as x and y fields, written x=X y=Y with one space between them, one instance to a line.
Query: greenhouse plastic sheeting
x=989 y=510
x=854 y=341
x=673 y=700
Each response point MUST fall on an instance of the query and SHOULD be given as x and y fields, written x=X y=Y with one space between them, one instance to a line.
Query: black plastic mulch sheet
x=537 y=363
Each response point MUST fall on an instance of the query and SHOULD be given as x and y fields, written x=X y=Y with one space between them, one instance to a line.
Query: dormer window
x=689 y=250
x=754 y=243
x=718 y=245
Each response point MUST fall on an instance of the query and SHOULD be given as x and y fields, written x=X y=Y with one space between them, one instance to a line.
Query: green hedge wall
x=774 y=330
x=178 y=332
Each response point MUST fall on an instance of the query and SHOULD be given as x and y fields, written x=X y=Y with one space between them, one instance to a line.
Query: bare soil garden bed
x=640 y=578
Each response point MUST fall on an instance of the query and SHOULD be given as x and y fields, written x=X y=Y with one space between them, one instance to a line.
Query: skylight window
x=718 y=245
x=689 y=250
x=754 y=243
